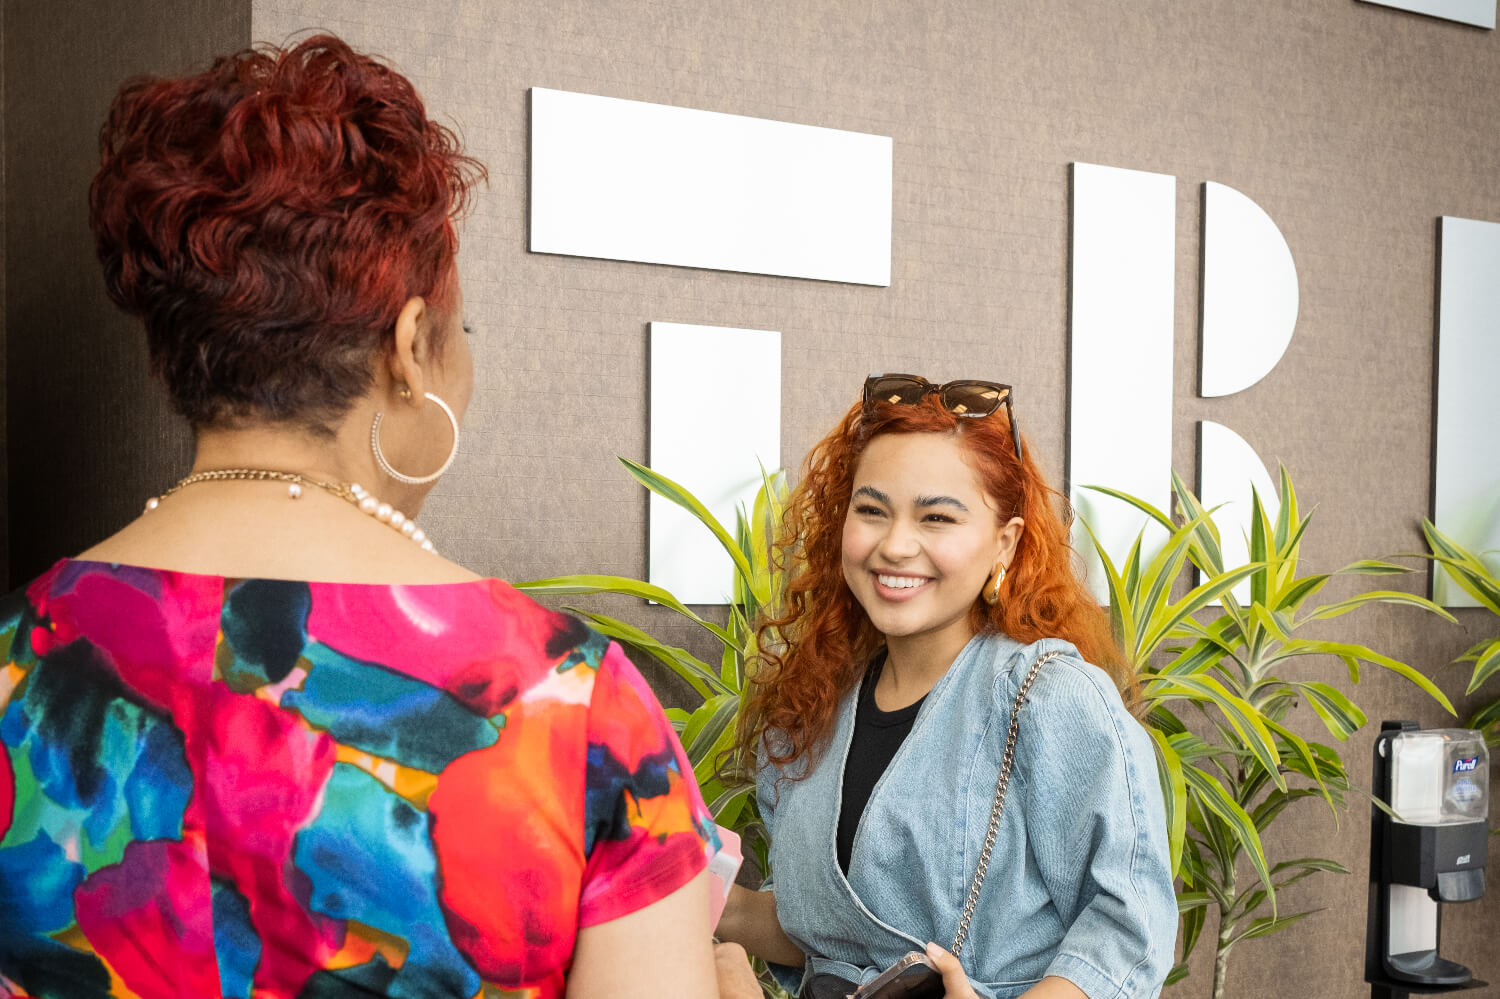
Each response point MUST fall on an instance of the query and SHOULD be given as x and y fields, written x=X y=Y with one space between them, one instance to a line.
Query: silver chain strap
x=999 y=804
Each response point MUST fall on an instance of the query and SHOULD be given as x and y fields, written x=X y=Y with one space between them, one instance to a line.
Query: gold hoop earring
x=414 y=480
x=992 y=588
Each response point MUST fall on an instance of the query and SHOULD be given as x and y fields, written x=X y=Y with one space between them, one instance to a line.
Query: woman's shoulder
x=1065 y=683
x=481 y=640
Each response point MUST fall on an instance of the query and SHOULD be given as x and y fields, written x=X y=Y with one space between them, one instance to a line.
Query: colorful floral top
x=218 y=787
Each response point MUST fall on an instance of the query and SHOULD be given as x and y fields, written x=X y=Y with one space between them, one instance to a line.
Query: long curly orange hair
x=816 y=652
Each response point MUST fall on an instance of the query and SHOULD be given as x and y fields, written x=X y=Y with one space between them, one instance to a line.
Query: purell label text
x=1460 y=766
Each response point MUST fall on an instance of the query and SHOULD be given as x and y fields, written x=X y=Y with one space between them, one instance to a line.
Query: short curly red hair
x=268 y=218
x=818 y=650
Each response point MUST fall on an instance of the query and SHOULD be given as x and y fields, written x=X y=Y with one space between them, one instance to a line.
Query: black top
x=877 y=736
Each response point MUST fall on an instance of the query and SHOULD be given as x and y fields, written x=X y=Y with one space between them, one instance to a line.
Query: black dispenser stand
x=1377 y=922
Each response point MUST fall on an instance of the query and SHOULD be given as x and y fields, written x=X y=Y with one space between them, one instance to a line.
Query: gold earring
x=992 y=588
x=405 y=393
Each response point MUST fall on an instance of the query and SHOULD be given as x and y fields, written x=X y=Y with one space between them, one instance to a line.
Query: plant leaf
x=728 y=806
x=1341 y=716
x=1301 y=758
x=1377 y=596
x=1197 y=599
x=1174 y=795
x=1121 y=611
x=1486 y=664
x=1271 y=924
x=669 y=490
x=1464 y=567
x=692 y=669
x=1192 y=927
x=1244 y=718
x=1312 y=864
x=582 y=583
x=709 y=733
x=1299 y=591
x=1303 y=647
x=1210 y=795
x=1374 y=567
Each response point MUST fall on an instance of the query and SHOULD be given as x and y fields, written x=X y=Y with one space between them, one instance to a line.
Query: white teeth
x=900 y=582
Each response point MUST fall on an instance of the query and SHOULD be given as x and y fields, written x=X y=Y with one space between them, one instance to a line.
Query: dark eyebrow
x=874 y=494
x=926 y=501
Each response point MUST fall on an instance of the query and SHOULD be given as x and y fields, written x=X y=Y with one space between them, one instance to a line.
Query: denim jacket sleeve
x=1097 y=829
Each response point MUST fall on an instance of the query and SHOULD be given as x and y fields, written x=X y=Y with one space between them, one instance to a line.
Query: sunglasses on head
x=966 y=397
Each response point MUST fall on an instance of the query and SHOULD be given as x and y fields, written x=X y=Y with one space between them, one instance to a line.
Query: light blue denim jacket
x=1079 y=885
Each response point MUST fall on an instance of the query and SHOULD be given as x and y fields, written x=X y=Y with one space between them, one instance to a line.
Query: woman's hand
x=955 y=982
x=736 y=980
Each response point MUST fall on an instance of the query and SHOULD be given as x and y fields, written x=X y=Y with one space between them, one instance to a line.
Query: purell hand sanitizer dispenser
x=1430 y=854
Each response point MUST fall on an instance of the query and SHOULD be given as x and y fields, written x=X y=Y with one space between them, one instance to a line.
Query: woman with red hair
x=940 y=719
x=264 y=740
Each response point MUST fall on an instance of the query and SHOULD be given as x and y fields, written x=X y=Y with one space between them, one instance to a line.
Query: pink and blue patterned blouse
x=221 y=787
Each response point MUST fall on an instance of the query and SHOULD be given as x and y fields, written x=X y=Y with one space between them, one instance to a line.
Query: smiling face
x=921 y=537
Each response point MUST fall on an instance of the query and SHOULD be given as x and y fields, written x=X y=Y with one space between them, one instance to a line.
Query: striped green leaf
x=710 y=733
x=1341 y=716
x=1302 y=647
x=1244 y=718
x=1300 y=757
x=1486 y=665
x=1377 y=597
x=686 y=665
x=1374 y=567
x=669 y=490
x=730 y=804
x=1210 y=795
x=1270 y=924
x=1198 y=598
x=1174 y=795
x=587 y=583
x=1464 y=567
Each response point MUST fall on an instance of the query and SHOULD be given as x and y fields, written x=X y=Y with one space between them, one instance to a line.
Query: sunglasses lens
x=973 y=398
x=896 y=389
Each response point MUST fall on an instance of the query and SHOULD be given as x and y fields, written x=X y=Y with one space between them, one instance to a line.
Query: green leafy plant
x=1231 y=774
x=707 y=731
x=1474 y=577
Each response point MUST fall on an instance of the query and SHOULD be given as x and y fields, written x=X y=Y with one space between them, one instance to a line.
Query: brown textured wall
x=89 y=435
x=1353 y=125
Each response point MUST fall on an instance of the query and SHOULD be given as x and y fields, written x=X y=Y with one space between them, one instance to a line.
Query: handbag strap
x=998 y=805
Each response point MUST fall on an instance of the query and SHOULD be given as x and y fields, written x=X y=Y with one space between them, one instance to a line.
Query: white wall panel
x=1230 y=467
x=1120 y=406
x=1466 y=493
x=715 y=422
x=628 y=180
x=1249 y=292
x=1477 y=12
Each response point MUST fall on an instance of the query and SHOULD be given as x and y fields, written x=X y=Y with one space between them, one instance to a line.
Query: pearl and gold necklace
x=352 y=492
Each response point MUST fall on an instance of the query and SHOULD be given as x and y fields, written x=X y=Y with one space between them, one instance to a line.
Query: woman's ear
x=410 y=348
x=1010 y=538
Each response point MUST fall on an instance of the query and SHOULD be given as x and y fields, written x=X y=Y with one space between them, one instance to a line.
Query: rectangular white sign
x=715 y=423
x=1120 y=405
x=1466 y=490
x=628 y=180
x=1476 y=12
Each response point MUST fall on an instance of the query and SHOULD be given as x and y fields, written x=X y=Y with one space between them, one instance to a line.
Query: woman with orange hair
x=943 y=742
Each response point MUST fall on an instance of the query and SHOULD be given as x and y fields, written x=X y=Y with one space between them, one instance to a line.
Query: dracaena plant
x=1237 y=761
x=707 y=730
x=1478 y=580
